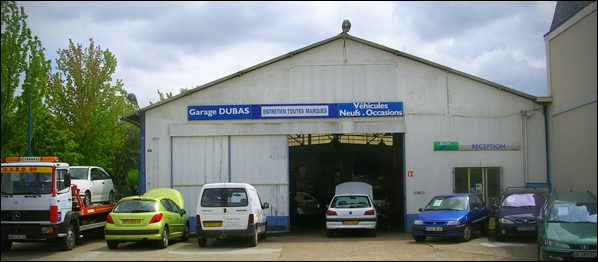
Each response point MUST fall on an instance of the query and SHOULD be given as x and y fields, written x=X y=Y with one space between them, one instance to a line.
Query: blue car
x=454 y=215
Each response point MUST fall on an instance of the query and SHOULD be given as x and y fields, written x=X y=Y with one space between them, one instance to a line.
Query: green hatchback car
x=158 y=215
x=567 y=227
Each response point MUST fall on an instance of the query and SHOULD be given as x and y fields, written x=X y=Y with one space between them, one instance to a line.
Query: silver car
x=94 y=184
x=351 y=212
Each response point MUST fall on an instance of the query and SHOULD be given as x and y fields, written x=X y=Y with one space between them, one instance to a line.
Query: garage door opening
x=319 y=162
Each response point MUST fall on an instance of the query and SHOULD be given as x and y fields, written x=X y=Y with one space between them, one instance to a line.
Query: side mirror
x=327 y=206
x=475 y=209
x=378 y=205
x=421 y=209
x=183 y=211
x=539 y=219
x=67 y=180
x=266 y=205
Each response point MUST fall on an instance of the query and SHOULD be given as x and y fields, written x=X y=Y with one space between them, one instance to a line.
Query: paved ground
x=305 y=243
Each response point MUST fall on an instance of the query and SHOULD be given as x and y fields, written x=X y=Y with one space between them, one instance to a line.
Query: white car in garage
x=94 y=184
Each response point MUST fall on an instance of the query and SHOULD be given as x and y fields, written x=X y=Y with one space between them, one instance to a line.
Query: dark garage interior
x=319 y=162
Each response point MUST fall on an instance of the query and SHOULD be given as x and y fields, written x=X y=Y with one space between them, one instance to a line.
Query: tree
x=22 y=54
x=87 y=104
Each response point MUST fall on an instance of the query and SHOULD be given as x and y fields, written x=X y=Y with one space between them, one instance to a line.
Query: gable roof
x=563 y=11
x=134 y=117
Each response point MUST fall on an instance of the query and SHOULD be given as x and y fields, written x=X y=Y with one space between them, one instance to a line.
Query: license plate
x=584 y=254
x=351 y=223
x=131 y=221
x=433 y=228
x=526 y=228
x=17 y=237
x=213 y=224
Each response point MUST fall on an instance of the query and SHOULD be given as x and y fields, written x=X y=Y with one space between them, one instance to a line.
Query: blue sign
x=378 y=109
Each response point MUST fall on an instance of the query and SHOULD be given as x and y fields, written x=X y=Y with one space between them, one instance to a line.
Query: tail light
x=157 y=218
x=387 y=205
x=369 y=212
x=198 y=220
x=250 y=220
x=300 y=206
x=109 y=220
x=330 y=213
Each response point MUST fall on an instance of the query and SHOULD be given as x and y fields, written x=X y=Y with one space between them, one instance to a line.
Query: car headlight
x=505 y=221
x=453 y=223
x=551 y=243
x=418 y=222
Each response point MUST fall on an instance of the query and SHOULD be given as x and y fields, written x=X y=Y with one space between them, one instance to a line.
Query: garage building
x=339 y=110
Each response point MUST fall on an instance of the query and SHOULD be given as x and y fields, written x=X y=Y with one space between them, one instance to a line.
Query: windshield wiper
x=29 y=193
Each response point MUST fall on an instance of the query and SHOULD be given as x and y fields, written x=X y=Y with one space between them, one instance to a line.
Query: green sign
x=446 y=146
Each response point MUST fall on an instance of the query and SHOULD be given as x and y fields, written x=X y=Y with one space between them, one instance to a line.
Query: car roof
x=577 y=197
x=456 y=194
x=520 y=190
x=227 y=185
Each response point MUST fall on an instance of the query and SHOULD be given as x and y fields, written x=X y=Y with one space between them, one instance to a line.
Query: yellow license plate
x=213 y=224
x=351 y=223
x=131 y=221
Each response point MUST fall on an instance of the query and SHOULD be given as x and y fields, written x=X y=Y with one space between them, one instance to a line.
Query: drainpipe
x=525 y=114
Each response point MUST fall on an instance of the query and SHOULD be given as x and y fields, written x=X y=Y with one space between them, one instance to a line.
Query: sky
x=167 y=46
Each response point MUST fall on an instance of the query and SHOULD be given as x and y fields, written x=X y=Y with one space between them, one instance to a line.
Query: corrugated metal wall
x=259 y=160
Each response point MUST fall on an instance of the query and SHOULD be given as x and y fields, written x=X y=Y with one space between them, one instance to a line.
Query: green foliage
x=132 y=180
x=22 y=54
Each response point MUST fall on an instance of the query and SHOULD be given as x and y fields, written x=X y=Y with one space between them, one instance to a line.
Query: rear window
x=224 y=197
x=523 y=200
x=136 y=206
x=351 y=201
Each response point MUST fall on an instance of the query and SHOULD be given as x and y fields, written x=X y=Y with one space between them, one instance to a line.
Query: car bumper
x=224 y=234
x=132 y=233
x=335 y=223
x=446 y=231
x=567 y=255
x=516 y=230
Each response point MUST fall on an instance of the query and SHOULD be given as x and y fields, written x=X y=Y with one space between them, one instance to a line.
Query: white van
x=230 y=210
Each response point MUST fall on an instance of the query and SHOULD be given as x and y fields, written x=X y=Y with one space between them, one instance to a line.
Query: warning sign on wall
x=409 y=173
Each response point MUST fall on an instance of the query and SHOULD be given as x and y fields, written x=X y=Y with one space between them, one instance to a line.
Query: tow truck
x=39 y=203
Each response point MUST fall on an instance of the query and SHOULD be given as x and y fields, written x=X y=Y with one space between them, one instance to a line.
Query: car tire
x=111 y=197
x=6 y=245
x=67 y=243
x=419 y=238
x=253 y=238
x=497 y=237
x=263 y=235
x=87 y=199
x=112 y=244
x=466 y=233
x=329 y=232
x=372 y=233
x=202 y=241
x=185 y=236
x=163 y=243
x=484 y=229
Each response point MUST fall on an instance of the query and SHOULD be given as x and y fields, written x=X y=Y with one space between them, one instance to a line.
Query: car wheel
x=202 y=241
x=6 y=245
x=185 y=236
x=263 y=235
x=87 y=199
x=466 y=233
x=484 y=229
x=112 y=244
x=419 y=238
x=497 y=236
x=67 y=243
x=253 y=239
x=164 y=242
x=111 y=198
x=329 y=232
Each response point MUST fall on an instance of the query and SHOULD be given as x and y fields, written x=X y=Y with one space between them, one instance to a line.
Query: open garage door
x=319 y=162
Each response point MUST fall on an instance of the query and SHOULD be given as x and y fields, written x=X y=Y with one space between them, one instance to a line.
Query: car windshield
x=523 y=200
x=573 y=213
x=78 y=173
x=457 y=203
x=136 y=206
x=350 y=202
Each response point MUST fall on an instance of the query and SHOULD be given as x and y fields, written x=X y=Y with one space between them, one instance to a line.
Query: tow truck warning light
x=32 y=159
